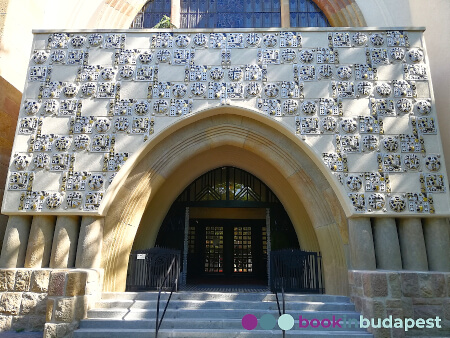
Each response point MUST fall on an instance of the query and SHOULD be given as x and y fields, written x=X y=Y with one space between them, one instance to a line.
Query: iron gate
x=296 y=270
x=148 y=268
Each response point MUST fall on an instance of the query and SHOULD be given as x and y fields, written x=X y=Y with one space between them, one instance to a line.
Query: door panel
x=242 y=250
x=227 y=251
x=213 y=256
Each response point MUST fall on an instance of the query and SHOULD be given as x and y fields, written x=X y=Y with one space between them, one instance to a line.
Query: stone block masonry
x=49 y=300
x=402 y=294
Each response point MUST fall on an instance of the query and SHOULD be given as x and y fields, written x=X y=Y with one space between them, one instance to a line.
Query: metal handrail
x=159 y=322
x=283 y=298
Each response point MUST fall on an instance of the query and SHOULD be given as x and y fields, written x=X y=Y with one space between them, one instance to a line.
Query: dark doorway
x=227 y=239
x=227 y=251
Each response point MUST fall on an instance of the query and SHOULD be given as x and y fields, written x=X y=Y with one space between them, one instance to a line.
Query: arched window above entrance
x=227 y=186
x=305 y=13
x=232 y=14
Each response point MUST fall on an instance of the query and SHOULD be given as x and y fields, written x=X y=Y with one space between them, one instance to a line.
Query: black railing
x=296 y=271
x=278 y=302
x=147 y=269
x=154 y=269
x=173 y=266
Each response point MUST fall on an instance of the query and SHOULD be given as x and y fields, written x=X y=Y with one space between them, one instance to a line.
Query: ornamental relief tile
x=361 y=100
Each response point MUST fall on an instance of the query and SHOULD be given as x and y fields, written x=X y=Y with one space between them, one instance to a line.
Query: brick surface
x=408 y=308
x=7 y=280
x=428 y=311
x=5 y=323
x=58 y=330
x=80 y=307
x=410 y=284
x=49 y=310
x=395 y=285
x=29 y=323
x=395 y=313
x=446 y=308
x=398 y=333
x=425 y=285
x=76 y=283
x=438 y=284
x=367 y=307
x=358 y=303
x=358 y=279
x=64 y=310
x=57 y=284
x=382 y=333
x=50 y=330
x=40 y=280
x=375 y=285
x=41 y=305
x=34 y=303
x=394 y=303
x=426 y=301
x=10 y=303
x=447 y=278
x=23 y=278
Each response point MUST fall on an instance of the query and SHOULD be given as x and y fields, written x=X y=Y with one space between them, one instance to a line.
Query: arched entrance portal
x=142 y=195
x=226 y=222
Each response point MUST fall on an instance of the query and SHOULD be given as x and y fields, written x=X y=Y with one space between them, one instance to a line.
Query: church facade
x=324 y=139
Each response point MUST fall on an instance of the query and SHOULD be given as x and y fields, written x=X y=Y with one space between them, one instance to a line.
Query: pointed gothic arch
x=220 y=137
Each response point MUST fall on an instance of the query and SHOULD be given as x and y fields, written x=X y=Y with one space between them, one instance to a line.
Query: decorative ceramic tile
x=355 y=98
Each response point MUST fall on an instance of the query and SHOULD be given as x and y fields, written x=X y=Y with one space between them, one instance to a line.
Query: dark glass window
x=151 y=13
x=227 y=184
x=305 y=13
x=232 y=14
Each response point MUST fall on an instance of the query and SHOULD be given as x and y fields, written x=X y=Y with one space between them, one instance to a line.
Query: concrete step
x=198 y=324
x=164 y=333
x=213 y=304
x=135 y=314
x=222 y=296
x=211 y=314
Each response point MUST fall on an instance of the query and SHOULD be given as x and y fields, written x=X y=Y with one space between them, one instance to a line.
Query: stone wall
x=53 y=300
x=23 y=301
x=402 y=294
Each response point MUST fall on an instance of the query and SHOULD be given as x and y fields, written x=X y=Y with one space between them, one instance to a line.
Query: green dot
x=267 y=322
x=286 y=322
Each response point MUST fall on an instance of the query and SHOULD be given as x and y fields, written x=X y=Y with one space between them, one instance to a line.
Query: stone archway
x=342 y=13
x=223 y=137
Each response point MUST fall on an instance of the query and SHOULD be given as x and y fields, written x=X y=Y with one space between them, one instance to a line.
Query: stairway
x=211 y=314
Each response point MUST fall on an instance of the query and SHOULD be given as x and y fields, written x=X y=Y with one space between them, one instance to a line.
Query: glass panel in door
x=242 y=250
x=213 y=249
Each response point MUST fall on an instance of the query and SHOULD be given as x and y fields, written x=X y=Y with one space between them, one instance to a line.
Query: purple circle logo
x=249 y=322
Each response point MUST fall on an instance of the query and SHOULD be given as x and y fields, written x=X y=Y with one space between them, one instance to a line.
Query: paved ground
x=14 y=334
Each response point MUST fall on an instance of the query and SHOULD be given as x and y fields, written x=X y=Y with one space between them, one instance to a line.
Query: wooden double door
x=225 y=251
